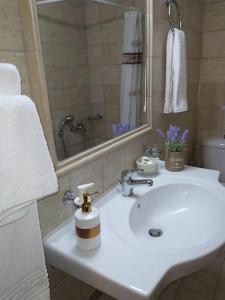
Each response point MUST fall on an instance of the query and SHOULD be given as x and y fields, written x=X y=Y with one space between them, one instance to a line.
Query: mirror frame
x=29 y=19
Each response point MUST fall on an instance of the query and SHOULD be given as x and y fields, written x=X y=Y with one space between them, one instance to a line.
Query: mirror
x=94 y=60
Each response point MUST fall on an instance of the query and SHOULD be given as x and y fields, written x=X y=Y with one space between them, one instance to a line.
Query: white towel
x=23 y=274
x=10 y=82
x=26 y=175
x=26 y=169
x=176 y=73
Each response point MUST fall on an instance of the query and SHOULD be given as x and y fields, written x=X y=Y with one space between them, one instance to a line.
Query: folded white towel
x=176 y=73
x=10 y=82
x=23 y=274
x=26 y=169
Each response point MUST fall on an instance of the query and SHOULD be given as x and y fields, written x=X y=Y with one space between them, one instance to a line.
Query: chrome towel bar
x=169 y=4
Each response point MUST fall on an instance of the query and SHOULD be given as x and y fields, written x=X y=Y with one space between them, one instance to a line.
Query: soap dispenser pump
x=87 y=222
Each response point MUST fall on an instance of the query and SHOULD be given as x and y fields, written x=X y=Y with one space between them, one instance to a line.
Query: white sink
x=189 y=214
x=188 y=207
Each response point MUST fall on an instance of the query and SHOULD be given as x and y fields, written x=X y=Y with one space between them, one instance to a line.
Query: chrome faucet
x=127 y=182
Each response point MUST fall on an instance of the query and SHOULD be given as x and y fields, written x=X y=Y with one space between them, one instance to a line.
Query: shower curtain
x=131 y=69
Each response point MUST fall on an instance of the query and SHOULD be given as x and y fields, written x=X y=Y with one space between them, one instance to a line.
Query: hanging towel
x=10 y=82
x=176 y=73
x=26 y=169
x=23 y=274
x=26 y=175
x=131 y=69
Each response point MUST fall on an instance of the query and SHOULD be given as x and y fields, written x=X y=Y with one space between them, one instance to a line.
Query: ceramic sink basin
x=188 y=215
x=185 y=210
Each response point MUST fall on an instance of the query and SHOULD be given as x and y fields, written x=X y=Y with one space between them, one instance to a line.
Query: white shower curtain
x=131 y=69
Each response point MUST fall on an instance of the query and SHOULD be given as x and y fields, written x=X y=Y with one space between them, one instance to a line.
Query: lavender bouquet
x=175 y=140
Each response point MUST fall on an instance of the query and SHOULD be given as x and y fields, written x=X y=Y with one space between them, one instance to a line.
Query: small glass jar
x=149 y=162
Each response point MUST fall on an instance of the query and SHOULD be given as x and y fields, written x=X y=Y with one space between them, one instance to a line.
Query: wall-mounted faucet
x=69 y=121
x=80 y=126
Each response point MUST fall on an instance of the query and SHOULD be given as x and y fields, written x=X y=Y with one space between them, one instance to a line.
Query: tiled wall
x=211 y=118
x=12 y=47
x=63 y=38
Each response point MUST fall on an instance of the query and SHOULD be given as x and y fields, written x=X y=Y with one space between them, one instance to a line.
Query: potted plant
x=175 y=144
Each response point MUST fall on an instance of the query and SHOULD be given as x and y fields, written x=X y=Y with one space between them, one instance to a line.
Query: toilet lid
x=215 y=142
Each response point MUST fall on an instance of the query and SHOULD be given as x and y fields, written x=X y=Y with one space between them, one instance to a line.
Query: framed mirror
x=93 y=58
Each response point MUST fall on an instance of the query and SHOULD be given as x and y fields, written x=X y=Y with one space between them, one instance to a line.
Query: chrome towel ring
x=169 y=4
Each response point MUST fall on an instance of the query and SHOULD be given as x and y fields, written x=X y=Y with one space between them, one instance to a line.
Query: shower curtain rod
x=113 y=4
x=41 y=2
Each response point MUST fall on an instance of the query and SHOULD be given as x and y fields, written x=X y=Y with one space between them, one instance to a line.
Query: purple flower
x=172 y=133
x=184 y=136
x=161 y=133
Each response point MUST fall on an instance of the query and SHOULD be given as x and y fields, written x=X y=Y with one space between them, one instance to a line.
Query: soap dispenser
x=82 y=189
x=87 y=221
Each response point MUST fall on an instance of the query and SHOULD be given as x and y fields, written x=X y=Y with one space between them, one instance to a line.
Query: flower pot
x=174 y=161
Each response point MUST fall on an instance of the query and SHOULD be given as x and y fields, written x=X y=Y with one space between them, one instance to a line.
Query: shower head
x=67 y=120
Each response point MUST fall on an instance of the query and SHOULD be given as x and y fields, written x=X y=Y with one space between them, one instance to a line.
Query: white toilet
x=214 y=155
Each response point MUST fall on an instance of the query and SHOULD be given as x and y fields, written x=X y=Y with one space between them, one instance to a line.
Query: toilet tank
x=214 y=155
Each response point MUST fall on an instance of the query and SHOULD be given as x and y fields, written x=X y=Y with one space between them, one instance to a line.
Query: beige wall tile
x=112 y=54
x=193 y=70
x=112 y=32
x=112 y=113
x=112 y=93
x=90 y=173
x=93 y=35
x=97 y=94
x=11 y=37
x=193 y=41
x=133 y=150
x=212 y=70
x=214 y=17
x=213 y=44
x=92 y=15
x=192 y=14
x=112 y=166
x=192 y=96
x=158 y=80
x=50 y=207
x=94 y=55
x=210 y=118
x=111 y=74
x=161 y=29
x=212 y=95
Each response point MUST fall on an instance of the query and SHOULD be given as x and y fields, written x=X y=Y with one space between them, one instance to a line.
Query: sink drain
x=154 y=232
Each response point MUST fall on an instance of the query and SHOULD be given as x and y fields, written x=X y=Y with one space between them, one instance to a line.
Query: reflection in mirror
x=93 y=53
